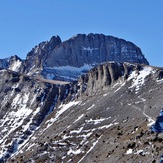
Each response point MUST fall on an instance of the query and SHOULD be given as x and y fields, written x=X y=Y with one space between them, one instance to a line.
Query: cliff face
x=106 y=74
x=94 y=49
x=56 y=59
x=37 y=56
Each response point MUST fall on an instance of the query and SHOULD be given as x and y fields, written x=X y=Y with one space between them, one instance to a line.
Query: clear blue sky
x=26 y=23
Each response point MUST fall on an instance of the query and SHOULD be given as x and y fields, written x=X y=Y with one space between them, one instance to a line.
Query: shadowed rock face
x=94 y=49
x=36 y=57
x=4 y=63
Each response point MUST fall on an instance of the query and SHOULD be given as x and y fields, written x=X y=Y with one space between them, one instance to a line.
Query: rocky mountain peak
x=67 y=60
x=91 y=50
x=35 y=58
x=94 y=49
x=14 y=58
x=55 y=41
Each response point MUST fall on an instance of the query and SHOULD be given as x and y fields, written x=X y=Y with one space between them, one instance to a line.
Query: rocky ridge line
x=67 y=60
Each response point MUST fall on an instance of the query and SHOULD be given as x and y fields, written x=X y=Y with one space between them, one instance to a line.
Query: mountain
x=107 y=113
x=109 y=109
x=67 y=60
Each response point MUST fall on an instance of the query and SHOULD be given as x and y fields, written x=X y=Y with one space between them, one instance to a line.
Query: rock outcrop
x=106 y=74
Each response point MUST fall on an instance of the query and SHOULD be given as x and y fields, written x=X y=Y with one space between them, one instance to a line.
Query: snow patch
x=139 y=78
x=150 y=120
x=65 y=107
x=90 y=49
x=15 y=66
x=94 y=144
x=129 y=151
x=69 y=73
x=96 y=121
x=71 y=68
x=78 y=118
x=75 y=152
x=141 y=152
x=62 y=108
x=91 y=107
x=76 y=131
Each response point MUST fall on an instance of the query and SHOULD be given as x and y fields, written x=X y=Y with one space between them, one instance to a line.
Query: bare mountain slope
x=104 y=117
